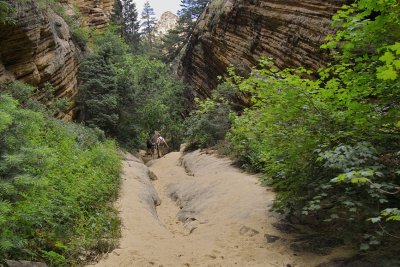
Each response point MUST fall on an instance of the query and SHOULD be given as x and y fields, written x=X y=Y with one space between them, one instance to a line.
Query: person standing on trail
x=150 y=145
x=160 y=144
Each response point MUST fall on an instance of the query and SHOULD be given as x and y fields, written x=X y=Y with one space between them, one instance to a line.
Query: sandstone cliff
x=239 y=32
x=168 y=21
x=39 y=48
x=97 y=13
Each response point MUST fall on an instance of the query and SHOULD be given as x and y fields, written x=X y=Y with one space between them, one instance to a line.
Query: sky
x=159 y=6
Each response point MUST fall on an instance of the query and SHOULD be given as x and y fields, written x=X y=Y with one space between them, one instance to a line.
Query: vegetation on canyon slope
x=129 y=96
x=56 y=182
x=330 y=146
x=58 y=179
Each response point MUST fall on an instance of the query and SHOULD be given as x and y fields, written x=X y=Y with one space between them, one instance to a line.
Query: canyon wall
x=39 y=48
x=239 y=32
x=97 y=13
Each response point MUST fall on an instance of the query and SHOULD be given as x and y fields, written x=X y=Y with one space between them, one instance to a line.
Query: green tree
x=175 y=40
x=148 y=23
x=98 y=93
x=151 y=99
x=191 y=10
x=171 y=44
x=129 y=95
x=130 y=24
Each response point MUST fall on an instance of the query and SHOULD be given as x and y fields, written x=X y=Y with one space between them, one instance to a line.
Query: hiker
x=150 y=146
x=160 y=144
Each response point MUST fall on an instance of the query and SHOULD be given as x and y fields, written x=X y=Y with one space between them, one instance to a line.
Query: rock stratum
x=239 y=32
x=97 y=13
x=39 y=47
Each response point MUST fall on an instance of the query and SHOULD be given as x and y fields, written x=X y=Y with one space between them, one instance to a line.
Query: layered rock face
x=97 y=13
x=239 y=32
x=168 y=21
x=38 y=49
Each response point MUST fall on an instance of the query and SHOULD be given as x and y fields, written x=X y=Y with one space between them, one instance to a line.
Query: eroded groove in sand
x=168 y=210
x=225 y=215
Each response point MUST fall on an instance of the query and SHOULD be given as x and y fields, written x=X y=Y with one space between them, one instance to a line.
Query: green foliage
x=6 y=10
x=48 y=4
x=98 y=93
x=56 y=180
x=148 y=23
x=191 y=10
x=129 y=96
x=173 y=42
x=324 y=158
x=79 y=33
x=130 y=23
x=38 y=99
x=330 y=146
x=152 y=100
x=208 y=125
x=390 y=214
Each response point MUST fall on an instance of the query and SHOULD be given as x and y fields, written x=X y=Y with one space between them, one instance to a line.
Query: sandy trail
x=211 y=214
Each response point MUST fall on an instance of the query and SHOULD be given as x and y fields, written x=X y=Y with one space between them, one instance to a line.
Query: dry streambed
x=200 y=211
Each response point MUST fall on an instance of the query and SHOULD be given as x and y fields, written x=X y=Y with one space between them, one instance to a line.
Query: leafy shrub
x=56 y=180
x=320 y=164
x=330 y=146
x=80 y=35
x=41 y=99
x=208 y=125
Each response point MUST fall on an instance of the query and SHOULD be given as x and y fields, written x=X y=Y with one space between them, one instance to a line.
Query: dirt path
x=211 y=214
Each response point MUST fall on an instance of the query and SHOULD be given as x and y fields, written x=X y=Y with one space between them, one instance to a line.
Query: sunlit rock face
x=168 y=21
x=239 y=32
x=97 y=13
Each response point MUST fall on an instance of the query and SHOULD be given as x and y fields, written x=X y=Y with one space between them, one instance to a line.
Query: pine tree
x=191 y=10
x=148 y=22
x=98 y=95
x=172 y=44
x=131 y=24
x=175 y=40
x=117 y=16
